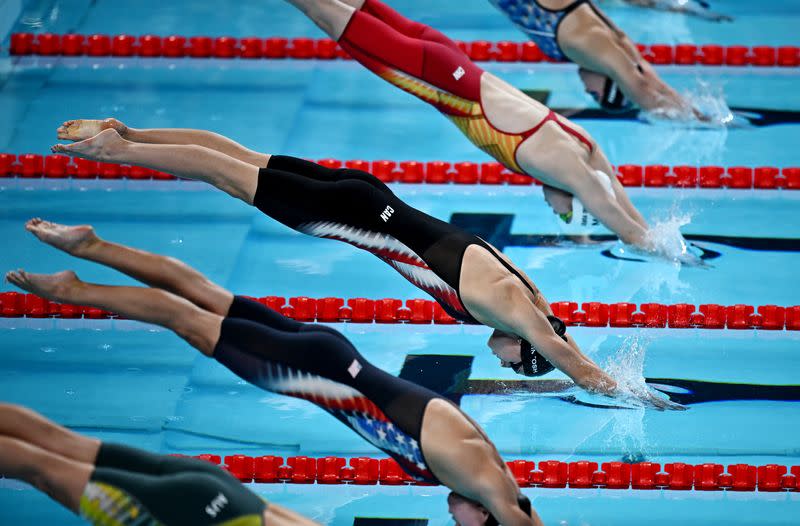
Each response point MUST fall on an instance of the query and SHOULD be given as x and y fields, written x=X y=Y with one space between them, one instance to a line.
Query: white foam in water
x=665 y=236
x=626 y=367
x=666 y=241
x=709 y=100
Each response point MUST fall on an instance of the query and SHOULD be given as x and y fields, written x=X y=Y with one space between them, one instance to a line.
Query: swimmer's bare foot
x=80 y=129
x=74 y=240
x=101 y=147
x=56 y=286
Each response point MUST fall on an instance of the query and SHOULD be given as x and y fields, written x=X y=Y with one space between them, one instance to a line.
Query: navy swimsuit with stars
x=318 y=364
x=541 y=24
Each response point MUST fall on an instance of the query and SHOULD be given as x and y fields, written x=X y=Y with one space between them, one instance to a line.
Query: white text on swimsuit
x=387 y=213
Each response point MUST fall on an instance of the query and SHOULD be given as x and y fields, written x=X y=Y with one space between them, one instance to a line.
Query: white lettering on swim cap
x=458 y=73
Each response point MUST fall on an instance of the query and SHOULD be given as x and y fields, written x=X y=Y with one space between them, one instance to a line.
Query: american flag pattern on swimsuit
x=353 y=409
x=538 y=23
x=395 y=253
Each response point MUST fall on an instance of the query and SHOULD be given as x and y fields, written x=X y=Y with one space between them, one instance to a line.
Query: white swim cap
x=579 y=221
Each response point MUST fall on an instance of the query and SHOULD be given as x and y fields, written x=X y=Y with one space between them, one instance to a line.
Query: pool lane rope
x=176 y=46
x=36 y=166
x=426 y=312
x=582 y=474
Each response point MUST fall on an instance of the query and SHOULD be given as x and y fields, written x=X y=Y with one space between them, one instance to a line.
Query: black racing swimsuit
x=356 y=207
x=131 y=487
x=318 y=364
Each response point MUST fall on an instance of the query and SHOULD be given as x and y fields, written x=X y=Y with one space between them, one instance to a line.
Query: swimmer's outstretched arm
x=608 y=211
x=597 y=47
x=80 y=129
x=151 y=269
x=230 y=175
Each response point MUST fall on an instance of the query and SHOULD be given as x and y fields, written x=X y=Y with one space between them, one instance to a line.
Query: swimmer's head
x=560 y=201
x=519 y=355
x=570 y=209
x=467 y=512
x=506 y=347
x=604 y=90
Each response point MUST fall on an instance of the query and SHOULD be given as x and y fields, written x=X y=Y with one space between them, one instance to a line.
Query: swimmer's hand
x=81 y=129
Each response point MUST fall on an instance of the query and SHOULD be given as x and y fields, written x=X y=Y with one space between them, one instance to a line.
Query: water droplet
x=48 y=350
x=177 y=241
x=105 y=347
x=70 y=392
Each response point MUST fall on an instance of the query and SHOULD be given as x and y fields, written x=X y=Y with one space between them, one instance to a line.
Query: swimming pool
x=128 y=382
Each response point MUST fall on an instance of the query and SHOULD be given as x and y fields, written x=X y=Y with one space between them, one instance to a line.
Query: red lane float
x=580 y=474
x=49 y=44
x=436 y=172
x=424 y=311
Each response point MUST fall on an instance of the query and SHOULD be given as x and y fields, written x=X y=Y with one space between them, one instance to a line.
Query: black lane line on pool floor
x=496 y=229
x=449 y=375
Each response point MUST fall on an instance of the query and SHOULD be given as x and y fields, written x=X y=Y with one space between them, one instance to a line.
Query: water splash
x=626 y=366
x=627 y=430
x=707 y=109
x=665 y=237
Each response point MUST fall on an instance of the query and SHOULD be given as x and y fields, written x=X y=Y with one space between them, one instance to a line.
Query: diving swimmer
x=613 y=71
x=111 y=484
x=519 y=132
x=473 y=281
x=429 y=436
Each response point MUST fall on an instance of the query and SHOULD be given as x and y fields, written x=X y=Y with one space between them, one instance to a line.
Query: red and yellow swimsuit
x=430 y=66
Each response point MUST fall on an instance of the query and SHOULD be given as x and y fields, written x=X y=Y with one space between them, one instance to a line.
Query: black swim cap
x=524 y=504
x=613 y=99
x=532 y=362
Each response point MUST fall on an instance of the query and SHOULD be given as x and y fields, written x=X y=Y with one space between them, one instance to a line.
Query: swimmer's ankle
x=87 y=247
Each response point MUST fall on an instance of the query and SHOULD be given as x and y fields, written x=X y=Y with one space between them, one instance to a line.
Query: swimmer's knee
x=200 y=328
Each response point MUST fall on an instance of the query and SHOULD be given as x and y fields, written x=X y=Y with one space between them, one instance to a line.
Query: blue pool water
x=125 y=381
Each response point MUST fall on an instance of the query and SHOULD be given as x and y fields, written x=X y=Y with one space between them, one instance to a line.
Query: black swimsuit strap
x=510 y=268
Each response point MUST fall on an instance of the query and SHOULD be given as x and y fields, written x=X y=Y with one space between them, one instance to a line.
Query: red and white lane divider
x=425 y=312
x=176 y=46
x=581 y=474
x=34 y=166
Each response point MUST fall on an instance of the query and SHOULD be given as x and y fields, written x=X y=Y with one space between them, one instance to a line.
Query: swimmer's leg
x=197 y=326
x=30 y=427
x=61 y=478
x=80 y=129
x=332 y=16
x=379 y=47
x=230 y=175
x=151 y=269
x=406 y=26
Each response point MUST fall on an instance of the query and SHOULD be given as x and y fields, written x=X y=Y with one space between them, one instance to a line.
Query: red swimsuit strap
x=551 y=116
